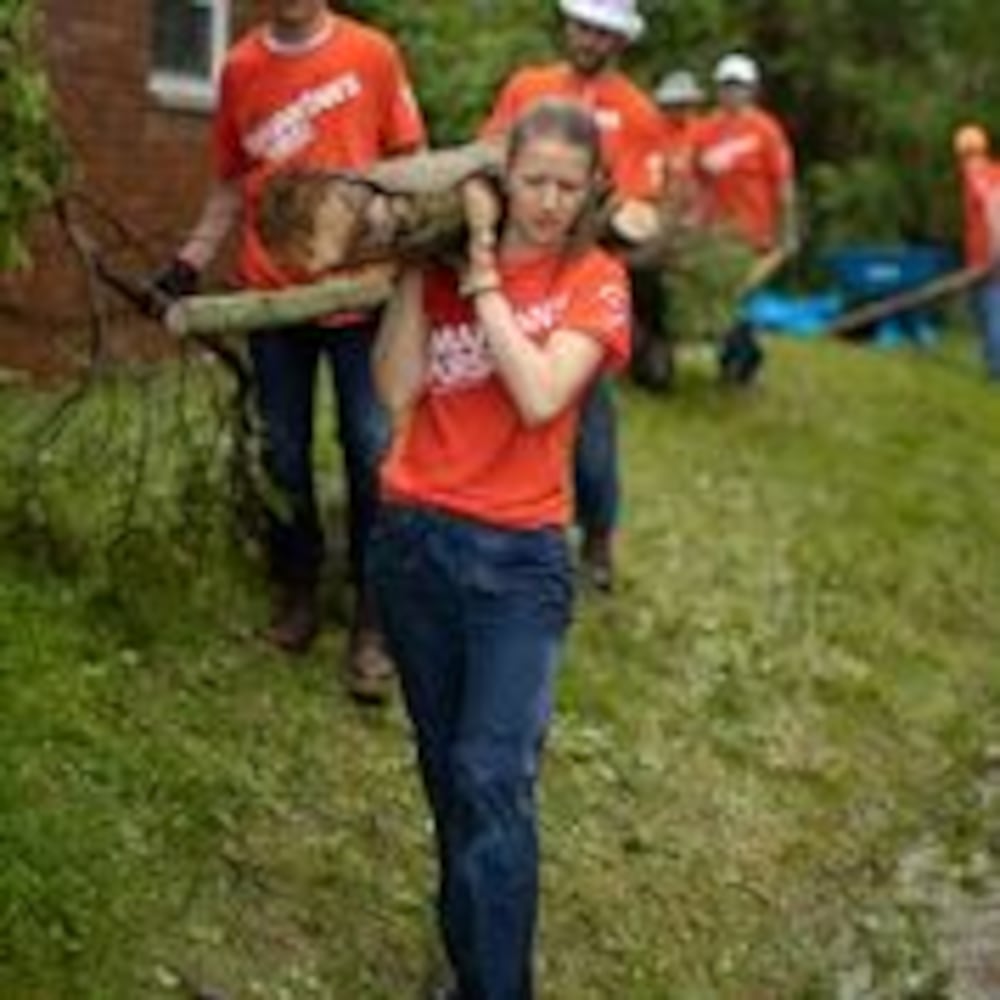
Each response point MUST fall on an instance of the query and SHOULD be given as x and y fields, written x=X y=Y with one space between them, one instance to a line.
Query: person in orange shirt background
x=681 y=101
x=745 y=167
x=595 y=34
x=980 y=174
x=308 y=88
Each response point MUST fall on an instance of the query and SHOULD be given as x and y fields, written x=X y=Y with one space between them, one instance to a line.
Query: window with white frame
x=189 y=39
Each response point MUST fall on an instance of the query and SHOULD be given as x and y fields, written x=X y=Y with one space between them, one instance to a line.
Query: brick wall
x=148 y=162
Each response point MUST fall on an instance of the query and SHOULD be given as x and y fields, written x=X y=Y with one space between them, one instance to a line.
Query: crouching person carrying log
x=483 y=372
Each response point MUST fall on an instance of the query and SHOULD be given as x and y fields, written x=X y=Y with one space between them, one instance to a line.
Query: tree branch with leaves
x=32 y=165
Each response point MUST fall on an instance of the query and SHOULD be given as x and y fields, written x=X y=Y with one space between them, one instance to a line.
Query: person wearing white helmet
x=681 y=100
x=595 y=34
x=745 y=166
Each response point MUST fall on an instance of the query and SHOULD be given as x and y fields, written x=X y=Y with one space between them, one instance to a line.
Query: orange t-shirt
x=341 y=103
x=628 y=120
x=465 y=448
x=742 y=162
x=981 y=184
x=677 y=149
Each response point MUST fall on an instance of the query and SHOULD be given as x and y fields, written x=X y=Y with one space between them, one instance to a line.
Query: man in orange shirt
x=596 y=33
x=746 y=168
x=309 y=88
x=981 y=194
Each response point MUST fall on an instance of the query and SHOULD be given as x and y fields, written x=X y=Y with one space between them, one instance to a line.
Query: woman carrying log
x=483 y=373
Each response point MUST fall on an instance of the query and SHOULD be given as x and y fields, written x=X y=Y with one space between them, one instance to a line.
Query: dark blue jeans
x=598 y=488
x=285 y=365
x=986 y=306
x=475 y=619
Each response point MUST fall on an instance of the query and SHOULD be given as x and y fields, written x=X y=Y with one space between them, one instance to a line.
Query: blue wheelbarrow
x=866 y=275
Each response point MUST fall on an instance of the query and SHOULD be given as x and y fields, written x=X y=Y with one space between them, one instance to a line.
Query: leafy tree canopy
x=870 y=90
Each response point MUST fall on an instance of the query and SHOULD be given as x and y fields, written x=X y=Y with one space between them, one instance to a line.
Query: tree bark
x=243 y=312
x=404 y=210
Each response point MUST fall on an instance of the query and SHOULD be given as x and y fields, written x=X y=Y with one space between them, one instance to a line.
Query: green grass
x=794 y=687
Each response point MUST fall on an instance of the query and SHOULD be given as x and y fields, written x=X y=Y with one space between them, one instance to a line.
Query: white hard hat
x=679 y=88
x=619 y=16
x=737 y=68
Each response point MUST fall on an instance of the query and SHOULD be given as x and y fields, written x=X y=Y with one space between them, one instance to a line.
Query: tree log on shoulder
x=406 y=208
x=316 y=223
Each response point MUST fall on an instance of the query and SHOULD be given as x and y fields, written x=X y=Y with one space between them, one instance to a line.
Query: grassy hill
x=789 y=699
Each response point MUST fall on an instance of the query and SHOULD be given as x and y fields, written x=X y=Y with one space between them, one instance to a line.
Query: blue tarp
x=796 y=316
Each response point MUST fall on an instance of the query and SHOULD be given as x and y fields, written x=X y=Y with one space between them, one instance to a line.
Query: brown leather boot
x=597 y=562
x=294 y=622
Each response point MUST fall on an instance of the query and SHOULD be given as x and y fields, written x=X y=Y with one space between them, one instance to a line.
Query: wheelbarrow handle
x=764 y=268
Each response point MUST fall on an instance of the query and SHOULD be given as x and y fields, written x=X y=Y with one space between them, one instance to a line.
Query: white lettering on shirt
x=292 y=128
x=608 y=119
x=459 y=353
x=723 y=156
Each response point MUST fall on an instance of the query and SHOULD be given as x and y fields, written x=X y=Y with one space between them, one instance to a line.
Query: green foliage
x=704 y=284
x=871 y=91
x=31 y=163
x=460 y=52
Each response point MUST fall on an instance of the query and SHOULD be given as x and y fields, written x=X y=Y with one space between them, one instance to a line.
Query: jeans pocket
x=529 y=570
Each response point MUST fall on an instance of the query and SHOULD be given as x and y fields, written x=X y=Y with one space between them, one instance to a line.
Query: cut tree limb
x=243 y=312
x=403 y=210
x=407 y=207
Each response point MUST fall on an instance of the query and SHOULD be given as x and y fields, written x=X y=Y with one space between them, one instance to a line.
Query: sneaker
x=370 y=669
x=294 y=621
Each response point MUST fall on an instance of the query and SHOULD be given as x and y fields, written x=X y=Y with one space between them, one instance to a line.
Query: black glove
x=177 y=280
x=172 y=282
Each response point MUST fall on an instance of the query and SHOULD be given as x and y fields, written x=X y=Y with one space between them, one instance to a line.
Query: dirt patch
x=973 y=941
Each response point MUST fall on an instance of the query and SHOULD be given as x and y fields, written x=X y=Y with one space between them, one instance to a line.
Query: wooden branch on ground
x=934 y=291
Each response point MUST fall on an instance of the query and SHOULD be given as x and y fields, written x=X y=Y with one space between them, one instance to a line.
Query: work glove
x=177 y=280
x=174 y=281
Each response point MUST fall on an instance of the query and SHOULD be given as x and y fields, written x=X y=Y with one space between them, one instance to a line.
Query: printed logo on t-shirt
x=608 y=119
x=292 y=129
x=460 y=355
x=617 y=304
x=723 y=156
